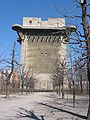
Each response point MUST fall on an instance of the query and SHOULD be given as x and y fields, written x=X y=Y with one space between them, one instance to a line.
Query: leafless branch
x=72 y=16
x=66 y=15
x=88 y=15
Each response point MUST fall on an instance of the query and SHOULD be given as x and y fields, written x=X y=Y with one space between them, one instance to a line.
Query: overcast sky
x=13 y=11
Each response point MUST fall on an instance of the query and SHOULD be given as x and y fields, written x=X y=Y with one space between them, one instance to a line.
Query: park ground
x=43 y=106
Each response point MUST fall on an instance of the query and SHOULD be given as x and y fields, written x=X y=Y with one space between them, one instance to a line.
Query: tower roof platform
x=37 y=24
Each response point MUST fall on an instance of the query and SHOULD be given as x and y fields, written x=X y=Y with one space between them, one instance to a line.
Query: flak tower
x=42 y=42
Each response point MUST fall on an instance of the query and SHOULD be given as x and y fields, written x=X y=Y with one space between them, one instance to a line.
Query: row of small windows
x=43 y=53
x=30 y=22
x=44 y=38
x=58 y=24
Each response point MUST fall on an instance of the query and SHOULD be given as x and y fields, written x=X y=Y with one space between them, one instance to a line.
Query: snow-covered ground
x=35 y=105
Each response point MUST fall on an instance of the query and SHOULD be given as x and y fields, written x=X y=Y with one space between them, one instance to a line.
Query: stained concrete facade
x=42 y=42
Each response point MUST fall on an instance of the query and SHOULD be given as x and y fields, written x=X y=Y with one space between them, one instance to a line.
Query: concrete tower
x=42 y=42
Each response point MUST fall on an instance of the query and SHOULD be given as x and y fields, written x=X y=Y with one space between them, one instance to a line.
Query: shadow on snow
x=28 y=114
x=62 y=110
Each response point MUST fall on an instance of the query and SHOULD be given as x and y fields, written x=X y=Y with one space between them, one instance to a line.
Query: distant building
x=2 y=82
x=14 y=81
x=42 y=42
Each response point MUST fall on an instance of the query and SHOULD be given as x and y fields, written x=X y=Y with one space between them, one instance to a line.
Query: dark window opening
x=30 y=22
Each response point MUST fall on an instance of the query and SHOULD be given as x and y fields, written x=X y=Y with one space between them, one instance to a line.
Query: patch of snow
x=28 y=107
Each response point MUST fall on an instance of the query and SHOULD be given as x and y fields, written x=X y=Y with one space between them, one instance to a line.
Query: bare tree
x=86 y=30
x=86 y=34
x=83 y=38
x=80 y=74
x=27 y=79
x=22 y=77
x=31 y=80
x=72 y=77
x=58 y=76
x=10 y=65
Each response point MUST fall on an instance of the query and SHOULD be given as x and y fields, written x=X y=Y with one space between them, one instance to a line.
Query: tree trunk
x=22 y=87
x=72 y=76
x=62 y=90
x=88 y=114
x=26 y=86
x=7 y=89
x=73 y=94
x=87 y=87
x=26 y=89
x=29 y=87
x=81 y=86
x=88 y=71
x=59 y=90
x=54 y=87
